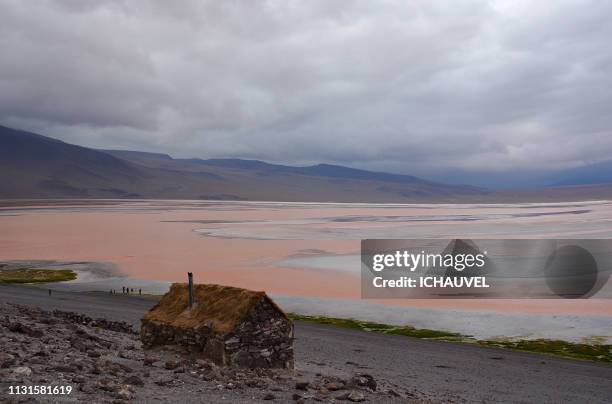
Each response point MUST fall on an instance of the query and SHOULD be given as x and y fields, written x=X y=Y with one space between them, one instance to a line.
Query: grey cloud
x=408 y=86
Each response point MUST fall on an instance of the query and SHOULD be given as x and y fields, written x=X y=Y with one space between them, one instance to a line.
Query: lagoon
x=304 y=254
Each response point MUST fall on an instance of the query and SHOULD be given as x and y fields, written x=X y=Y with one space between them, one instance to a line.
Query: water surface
x=302 y=253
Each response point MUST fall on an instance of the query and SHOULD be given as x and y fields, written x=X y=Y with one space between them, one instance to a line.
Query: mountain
x=35 y=166
x=262 y=168
x=597 y=173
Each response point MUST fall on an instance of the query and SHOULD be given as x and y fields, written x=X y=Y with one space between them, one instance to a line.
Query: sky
x=444 y=89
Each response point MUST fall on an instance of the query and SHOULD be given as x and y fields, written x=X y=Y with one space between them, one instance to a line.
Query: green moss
x=596 y=351
x=595 y=340
x=36 y=275
x=407 y=331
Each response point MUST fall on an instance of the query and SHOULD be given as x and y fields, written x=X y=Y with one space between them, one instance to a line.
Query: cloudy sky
x=408 y=86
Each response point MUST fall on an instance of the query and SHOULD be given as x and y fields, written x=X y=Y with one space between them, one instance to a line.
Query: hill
x=36 y=166
x=33 y=166
x=590 y=174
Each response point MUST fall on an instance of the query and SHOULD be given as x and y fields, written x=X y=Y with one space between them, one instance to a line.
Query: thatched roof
x=221 y=307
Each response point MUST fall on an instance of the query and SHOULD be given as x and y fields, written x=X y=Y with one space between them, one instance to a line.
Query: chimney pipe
x=190 y=277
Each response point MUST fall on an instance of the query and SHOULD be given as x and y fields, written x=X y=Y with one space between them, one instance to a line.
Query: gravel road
x=438 y=371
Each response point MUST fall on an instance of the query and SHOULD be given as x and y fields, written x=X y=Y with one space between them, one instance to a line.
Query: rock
x=108 y=384
x=124 y=393
x=242 y=359
x=334 y=386
x=37 y=361
x=356 y=396
x=110 y=367
x=133 y=380
x=79 y=379
x=164 y=382
x=93 y=354
x=76 y=318
x=171 y=365
x=302 y=385
x=393 y=393
x=342 y=396
x=203 y=364
x=22 y=371
x=41 y=353
x=259 y=383
x=364 y=380
x=6 y=360
x=269 y=396
x=125 y=355
x=296 y=397
x=79 y=344
x=232 y=342
x=65 y=368
x=86 y=388
x=25 y=329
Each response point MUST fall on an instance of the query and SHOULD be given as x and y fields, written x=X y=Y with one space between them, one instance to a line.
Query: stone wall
x=263 y=340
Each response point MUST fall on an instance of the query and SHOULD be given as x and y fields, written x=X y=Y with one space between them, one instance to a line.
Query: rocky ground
x=418 y=370
x=104 y=362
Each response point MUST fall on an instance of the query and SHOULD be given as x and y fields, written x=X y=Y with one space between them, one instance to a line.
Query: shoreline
x=451 y=316
x=18 y=203
x=593 y=348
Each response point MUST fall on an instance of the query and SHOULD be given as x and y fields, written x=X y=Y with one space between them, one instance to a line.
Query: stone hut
x=230 y=326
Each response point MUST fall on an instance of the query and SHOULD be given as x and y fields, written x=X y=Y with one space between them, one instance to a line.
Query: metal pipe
x=190 y=277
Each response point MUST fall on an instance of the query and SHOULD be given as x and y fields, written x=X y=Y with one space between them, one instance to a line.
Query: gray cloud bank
x=405 y=86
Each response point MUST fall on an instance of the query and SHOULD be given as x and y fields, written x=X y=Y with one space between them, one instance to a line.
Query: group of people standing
x=125 y=291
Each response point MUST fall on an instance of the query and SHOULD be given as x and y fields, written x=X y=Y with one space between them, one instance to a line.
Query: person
x=123 y=290
x=140 y=291
x=49 y=292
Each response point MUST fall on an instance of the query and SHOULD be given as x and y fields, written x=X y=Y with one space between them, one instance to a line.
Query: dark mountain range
x=597 y=173
x=263 y=168
x=35 y=166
